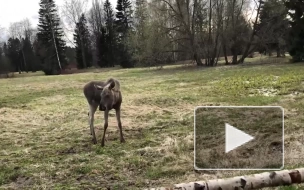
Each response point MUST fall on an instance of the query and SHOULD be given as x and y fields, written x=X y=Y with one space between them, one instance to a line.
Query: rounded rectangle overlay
x=238 y=138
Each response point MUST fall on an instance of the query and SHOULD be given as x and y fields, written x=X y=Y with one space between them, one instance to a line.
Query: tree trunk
x=82 y=52
x=234 y=55
x=19 y=69
x=234 y=58
x=215 y=50
x=278 y=52
x=255 y=181
x=209 y=34
x=198 y=59
x=246 y=52
x=52 y=30
x=269 y=53
x=25 y=65
x=225 y=54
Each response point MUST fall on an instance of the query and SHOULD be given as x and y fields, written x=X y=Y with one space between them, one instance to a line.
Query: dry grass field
x=45 y=136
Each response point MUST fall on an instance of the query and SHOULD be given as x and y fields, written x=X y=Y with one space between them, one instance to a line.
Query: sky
x=17 y=10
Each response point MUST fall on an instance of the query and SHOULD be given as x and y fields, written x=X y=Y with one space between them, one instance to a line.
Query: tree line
x=154 y=32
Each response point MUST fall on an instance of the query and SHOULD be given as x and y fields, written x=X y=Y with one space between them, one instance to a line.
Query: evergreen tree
x=5 y=64
x=13 y=53
x=296 y=35
x=29 y=55
x=5 y=50
x=123 y=16
x=50 y=35
x=102 y=48
x=110 y=33
x=39 y=52
x=1 y=61
x=71 y=54
x=273 y=25
x=82 y=37
x=123 y=24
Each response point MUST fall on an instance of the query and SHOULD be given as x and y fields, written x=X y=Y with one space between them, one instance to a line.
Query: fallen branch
x=255 y=181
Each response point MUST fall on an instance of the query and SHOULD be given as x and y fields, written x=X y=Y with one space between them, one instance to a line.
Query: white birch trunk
x=53 y=35
x=55 y=46
x=255 y=181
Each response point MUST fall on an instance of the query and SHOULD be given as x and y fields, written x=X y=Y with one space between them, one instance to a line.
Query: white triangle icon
x=235 y=137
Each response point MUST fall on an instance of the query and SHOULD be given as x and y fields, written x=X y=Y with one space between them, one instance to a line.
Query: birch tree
x=255 y=181
x=50 y=36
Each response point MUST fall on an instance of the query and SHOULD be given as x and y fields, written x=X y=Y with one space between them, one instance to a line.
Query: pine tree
x=13 y=53
x=273 y=25
x=50 y=35
x=110 y=33
x=71 y=54
x=5 y=51
x=1 y=61
x=123 y=24
x=123 y=16
x=102 y=48
x=82 y=35
x=32 y=64
x=5 y=64
x=296 y=35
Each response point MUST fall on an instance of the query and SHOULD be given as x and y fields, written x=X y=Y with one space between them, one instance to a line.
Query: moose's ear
x=98 y=87
x=112 y=85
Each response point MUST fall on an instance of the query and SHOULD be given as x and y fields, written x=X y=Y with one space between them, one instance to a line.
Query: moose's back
x=91 y=93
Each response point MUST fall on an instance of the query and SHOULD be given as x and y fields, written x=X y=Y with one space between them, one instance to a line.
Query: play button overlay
x=239 y=138
x=235 y=138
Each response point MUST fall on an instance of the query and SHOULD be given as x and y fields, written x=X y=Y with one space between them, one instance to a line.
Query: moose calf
x=107 y=96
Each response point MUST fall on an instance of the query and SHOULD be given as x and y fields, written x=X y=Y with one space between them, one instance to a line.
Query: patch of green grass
x=289 y=188
x=82 y=169
x=257 y=100
x=161 y=172
x=9 y=174
x=116 y=153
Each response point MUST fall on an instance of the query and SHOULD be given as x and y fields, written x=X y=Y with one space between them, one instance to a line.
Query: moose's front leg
x=106 y=115
x=122 y=140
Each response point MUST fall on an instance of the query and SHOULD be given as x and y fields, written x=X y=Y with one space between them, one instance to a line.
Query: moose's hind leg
x=93 y=109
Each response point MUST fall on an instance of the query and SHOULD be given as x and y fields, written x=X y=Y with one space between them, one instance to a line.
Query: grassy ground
x=46 y=142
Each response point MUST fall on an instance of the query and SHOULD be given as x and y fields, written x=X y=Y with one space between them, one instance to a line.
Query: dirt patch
x=70 y=150
x=265 y=92
x=21 y=182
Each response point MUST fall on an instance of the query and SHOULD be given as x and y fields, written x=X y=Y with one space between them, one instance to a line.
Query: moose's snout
x=102 y=108
x=106 y=101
